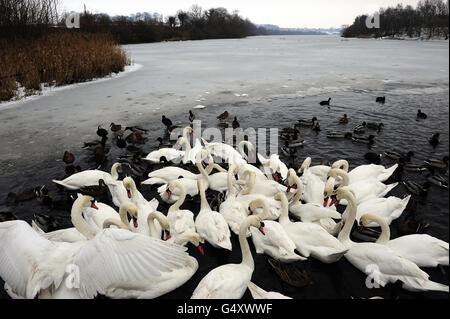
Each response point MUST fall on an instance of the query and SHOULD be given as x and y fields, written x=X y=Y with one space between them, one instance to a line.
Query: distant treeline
x=428 y=20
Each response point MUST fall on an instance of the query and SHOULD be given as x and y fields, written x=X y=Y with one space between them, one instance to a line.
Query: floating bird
x=397 y=156
x=224 y=116
x=167 y=122
x=68 y=157
x=316 y=127
x=366 y=140
x=121 y=143
x=163 y=144
x=235 y=123
x=305 y=122
x=7 y=216
x=435 y=163
x=71 y=169
x=435 y=139
x=360 y=129
x=115 y=127
x=421 y=115
x=92 y=145
x=375 y=126
x=325 y=102
x=417 y=189
x=344 y=120
x=381 y=99
x=437 y=180
x=22 y=197
x=191 y=116
x=137 y=129
x=101 y=131
x=339 y=135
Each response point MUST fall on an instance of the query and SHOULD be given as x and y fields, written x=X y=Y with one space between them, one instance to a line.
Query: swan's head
x=86 y=201
x=306 y=164
x=132 y=212
x=329 y=187
x=345 y=193
x=129 y=185
x=172 y=186
x=256 y=221
x=342 y=164
x=193 y=238
x=366 y=220
x=258 y=203
x=336 y=172
x=280 y=197
x=293 y=182
x=189 y=130
x=117 y=167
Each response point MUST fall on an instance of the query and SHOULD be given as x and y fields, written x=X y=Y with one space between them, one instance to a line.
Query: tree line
x=429 y=19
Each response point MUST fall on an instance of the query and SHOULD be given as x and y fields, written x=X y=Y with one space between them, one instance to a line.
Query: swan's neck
x=204 y=203
x=183 y=239
x=123 y=212
x=247 y=258
x=114 y=173
x=231 y=192
x=267 y=171
x=298 y=195
x=181 y=200
x=284 y=217
x=344 y=235
x=187 y=143
x=113 y=222
x=78 y=221
x=251 y=178
x=345 y=178
x=202 y=170
x=210 y=168
x=241 y=149
x=151 y=223
x=385 y=230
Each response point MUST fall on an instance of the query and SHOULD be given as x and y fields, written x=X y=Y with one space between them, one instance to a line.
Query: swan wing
x=116 y=255
x=259 y=293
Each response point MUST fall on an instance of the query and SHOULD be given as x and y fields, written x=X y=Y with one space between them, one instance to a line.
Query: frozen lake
x=265 y=82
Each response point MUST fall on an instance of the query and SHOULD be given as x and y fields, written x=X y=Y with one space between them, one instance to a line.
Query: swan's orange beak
x=169 y=193
x=261 y=229
x=94 y=206
x=325 y=203
x=250 y=212
x=168 y=235
x=128 y=193
x=200 y=249
x=135 y=223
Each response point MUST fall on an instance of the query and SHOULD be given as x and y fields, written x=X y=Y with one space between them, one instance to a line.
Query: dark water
x=338 y=280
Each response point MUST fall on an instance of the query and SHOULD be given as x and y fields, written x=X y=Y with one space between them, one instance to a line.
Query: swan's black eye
x=262 y=224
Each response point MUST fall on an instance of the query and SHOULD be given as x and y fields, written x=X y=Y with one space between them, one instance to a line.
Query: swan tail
x=398 y=212
x=63 y=184
x=257 y=292
x=154 y=181
x=226 y=244
x=388 y=189
x=387 y=173
x=424 y=285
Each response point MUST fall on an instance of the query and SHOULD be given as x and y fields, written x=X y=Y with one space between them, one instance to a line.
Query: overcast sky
x=285 y=13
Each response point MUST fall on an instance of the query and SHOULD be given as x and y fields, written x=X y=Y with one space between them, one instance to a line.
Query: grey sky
x=285 y=13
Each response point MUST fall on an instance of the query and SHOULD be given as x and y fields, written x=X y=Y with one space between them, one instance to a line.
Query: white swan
x=90 y=178
x=224 y=151
x=190 y=187
x=171 y=154
x=320 y=171
x=211 y=225
x=262 y=187
x=422 y=249
x=230 y=281
x=181 y=221
x=36 y=267
x=275 y=164
x=366 y=172
x=97 y=217
x=310 y=239
x=275 y=242
x=137 y=198
x=259 y=293
x=167 y=282
x=363 y=190
x=379 y=261
x=313 y=186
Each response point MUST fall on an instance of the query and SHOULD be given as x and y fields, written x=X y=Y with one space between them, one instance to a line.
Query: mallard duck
x=438 y=163
x=421 y=115
x=375 y=126
x=101 y=131
x=163 y=144
x=71 y=169
x=381 y=99
x=290 y=273
x=417 y=189
x=92 y=145
x=365 y=140
x=360 y=128
x=305 y=122
x=166 y=121
x=115 y=127
x=68 y=157
x=95 y=191
x=22 y=197
x=316 y=127
x=397 y=156
x=339 y=135
x=323 y=103
x=437 y=180
x=344 y=120
x=435 y=139
x=414 y=168
x=137 y=129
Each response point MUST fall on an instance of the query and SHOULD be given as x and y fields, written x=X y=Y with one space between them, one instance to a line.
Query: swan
x=423 y=250
x=173 y=154
x=366 y=172
x=218 y=181
x=96 y=217
x=36 y=267
x=90 y=178
x=363 y=190
x=320 y=171
x=211 y=225
x=190 y=187
x=387 y=208
x=190 y=153
x=275 y=164
x=181 y=221
x=137 y=198
x=380 y=262
x=259 y=293
x=224 y=151
x=230 y=281
x=313 y=185
x=310 y=239
x=275 y=243
x=314 y=213
x=167 y=282
x=262 y=187
x=231 y=209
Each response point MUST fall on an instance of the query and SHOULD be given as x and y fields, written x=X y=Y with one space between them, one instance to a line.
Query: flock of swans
x=140 y=252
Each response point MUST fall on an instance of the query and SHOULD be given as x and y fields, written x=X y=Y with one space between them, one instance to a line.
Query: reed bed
x=57 y=58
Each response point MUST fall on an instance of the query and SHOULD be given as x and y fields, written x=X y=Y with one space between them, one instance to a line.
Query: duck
x=323 y=103
x=437 y=180
x=360 y=129
x=236 y=123
x=136 y=257
x=435 y=140
x=397 y=156
x=24 y=196
x=224 y=116
x=95 y=191
x=344 y=119
x=290 y=273
x=305 y=122
x=416 y=189
x=115 y=128
x=370 y=140
x=414 y=168
x=421 y=115
x=210 y=224
x=166 y=121
x=101 y=132
x=163 y=143
x=347 y=135
x=422 y=249
x=275 y=242
x=381 y=99
x=375 y=126
x=181 y=221
x=259 y=293
x=94 y=144
x=120 y=142
x=68 y=157
x=373 y=158
x=90 y=178
x=191 y=116
x=436 y=163
x=316 y=127
x=373 y=257
x=364 y=189
x=230 y=281
x=311 y=240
